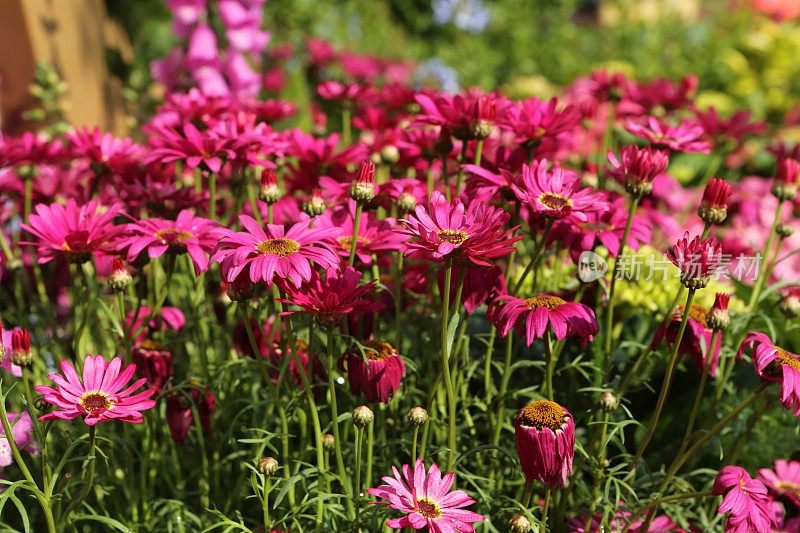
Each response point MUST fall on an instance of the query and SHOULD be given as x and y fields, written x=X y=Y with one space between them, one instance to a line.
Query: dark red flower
x=377 y=373
x=180 y=413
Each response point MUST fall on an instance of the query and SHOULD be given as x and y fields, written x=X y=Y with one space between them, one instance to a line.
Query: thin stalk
x=265 y=502
x=347 y=128
x=548 y=357
x=487 y=364
x=665 y=386
x=599 y=477
x=28 y=201
x=212 y=196
x=699 y=395
x=537 y=256
x=370 y=453
x=91 y=458
x=546 y=508
x=398 y=301
x=331 y=367
x=759 y=284
x=460 y=177
x=609 y=321
x=448 y=380
x=414 y=445
x=478 y=152
x=354 y=241
x=359 y=435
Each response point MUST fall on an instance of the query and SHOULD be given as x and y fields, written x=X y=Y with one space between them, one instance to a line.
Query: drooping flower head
x=153 y=362
x=273 y=251
x=555 y=193
x=377 y=373
x=180 y=411
x=73 y=232
x=714 y=206
x=531 y=317
x=99 y=396
x=637 y=168
x=698 y=260
x=472 y=235
x=333 y=297
x=783 y=480
x=696 y=341
x=426 y=500
x=187 y=234
x=746 y=500
x=775 y=364
x=545 y=437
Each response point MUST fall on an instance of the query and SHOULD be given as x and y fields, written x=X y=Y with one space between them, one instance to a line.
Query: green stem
x=537 y=256
x=370 y=453
x=609 y=322
x=265 y=503
x=359 y=434
x=212 y=195
x=460 y=176
x=448 y=380
x=759 y=284
x=354 y=241
x=700 y=389
x=546 y=508
x=599 y=472
x=414 y=445
x=665 y=386
x=548 y=357
x=331 y=367
x=347 y=128
x=487 y=364
x=89 y=480
x=28 y=201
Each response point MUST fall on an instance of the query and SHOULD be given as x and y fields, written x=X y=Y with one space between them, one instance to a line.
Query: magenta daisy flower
x=73 y=232
x=187 y=234
x=697 y=260
x=545 y=437
x=330 y=299
x=475 y=234
x=746 y=500
x=775 y=364
x=377 y=373
x=783 y=480
x=426 y=500
x=104 y=151
x=99 y=397
x=637 y=168
x=685 y=137
x=198 y=149
x=273 y=251
x=532 y=315
x=696 y=341
x=554 y=193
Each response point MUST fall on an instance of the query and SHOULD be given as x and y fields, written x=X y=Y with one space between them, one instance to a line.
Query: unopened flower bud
x=269 y=192
x=784 y=231
x=362 y=188
x=268 y=466
x=607 y=401
x=718 y=318
x=714 y=206
x=784 y=186
x=519 y=524
x=241 y=288
x=315 y=205
x=120 y=278
x=482 y=130
x=406 y=202
x=417 y=416
x=328 y=441
x=21 y=354
x=390 y=154
x=790 y=303
x=362 y=416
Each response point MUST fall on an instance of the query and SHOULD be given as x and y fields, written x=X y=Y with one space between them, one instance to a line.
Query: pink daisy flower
x=783 y=480
x=775 y=364
x=334 y=297
x=197 y=149
x=104 y=151
x=474 y=234
x=378 y=373
x=99 y=397
x=73 y=232
x=273 y=250
x=696 y=340
x=545 y=438
x=637 y=168
x=187 y=234
x=532 y=315
x=746 y=500
x=697 y=260
x=685 y=137
x=427 y=501
x=469 y=115
x=554 y=193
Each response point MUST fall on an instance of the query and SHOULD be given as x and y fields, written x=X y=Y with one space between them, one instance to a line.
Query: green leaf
x=451 y=331
x=112 y=317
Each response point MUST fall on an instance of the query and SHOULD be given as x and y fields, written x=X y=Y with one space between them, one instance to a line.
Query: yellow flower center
x=548 y=301
x=542 y=414
x=787 y=358
x=428 y=508
x=697 y=313
x=378 y=350
x=596 y=226
x=453 y=236
x=346 y=242
x=173 y=236
x=94 y=401
x=788 y=486
x=279 y=247
x=552 y=200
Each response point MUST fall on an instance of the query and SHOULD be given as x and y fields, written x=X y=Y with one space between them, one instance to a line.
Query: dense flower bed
x=457 y=312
